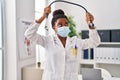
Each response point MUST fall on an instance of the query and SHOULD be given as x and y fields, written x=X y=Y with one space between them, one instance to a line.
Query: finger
x=89 y=16
x=49 y=9
x=49 y=6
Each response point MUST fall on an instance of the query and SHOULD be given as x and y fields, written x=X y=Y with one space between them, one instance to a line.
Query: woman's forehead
x=62 y=20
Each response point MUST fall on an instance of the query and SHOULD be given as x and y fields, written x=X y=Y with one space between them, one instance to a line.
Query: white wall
x=17 y=10
x=25 y=11
x=11 y=44
x=106 y=12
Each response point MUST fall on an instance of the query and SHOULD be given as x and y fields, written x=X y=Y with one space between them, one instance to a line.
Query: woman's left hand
x=89 y=18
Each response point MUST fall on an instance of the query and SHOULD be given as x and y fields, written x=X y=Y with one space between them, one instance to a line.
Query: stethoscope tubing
x=69 y=3
x=72 y=4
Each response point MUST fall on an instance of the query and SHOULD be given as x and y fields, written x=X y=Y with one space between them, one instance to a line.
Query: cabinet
x=107 y=54
x=112 y=35
x=104 y=57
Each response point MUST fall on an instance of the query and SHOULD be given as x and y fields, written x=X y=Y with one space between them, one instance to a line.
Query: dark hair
x=56 y=15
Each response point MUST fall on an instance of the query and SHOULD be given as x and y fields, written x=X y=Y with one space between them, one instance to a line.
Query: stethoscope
x=91 y=23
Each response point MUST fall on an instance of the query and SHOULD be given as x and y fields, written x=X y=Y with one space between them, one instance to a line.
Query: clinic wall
x=106 y=13
x=24 y=12
x=11 y=48
x=16 y=11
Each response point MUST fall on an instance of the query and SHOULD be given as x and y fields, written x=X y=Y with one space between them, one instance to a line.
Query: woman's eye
x=66 y=24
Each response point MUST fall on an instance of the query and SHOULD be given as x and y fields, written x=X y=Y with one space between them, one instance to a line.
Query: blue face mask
x=63 y=31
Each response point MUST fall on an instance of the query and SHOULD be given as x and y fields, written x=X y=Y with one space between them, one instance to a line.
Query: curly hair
x=56 y=15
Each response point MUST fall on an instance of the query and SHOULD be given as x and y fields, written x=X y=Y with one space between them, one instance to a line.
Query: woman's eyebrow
x=59 y=24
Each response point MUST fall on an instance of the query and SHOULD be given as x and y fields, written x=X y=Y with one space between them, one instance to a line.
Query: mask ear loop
x=91 y=25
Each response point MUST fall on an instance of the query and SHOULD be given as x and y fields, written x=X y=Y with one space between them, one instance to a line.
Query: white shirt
x=61 y=63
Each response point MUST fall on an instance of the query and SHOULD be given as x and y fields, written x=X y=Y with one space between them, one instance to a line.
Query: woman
x=61 y=51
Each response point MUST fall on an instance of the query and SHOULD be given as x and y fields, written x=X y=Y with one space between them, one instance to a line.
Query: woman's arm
x=31 y=32
x=94 y=39
x=47 y=11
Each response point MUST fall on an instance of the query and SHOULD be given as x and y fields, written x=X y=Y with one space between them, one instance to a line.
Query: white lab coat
x=60 y=63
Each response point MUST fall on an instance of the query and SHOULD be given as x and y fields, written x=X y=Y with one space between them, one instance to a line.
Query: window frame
x=2 y=48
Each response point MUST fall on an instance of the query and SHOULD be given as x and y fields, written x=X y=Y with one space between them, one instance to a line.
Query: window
x=39 y=8
x=1 y=41
x=0 y=45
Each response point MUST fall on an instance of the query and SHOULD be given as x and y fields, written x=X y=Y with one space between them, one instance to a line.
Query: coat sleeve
x=32 y=35
x=93 y=40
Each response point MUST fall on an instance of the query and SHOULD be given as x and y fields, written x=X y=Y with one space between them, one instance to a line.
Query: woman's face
x=61 y=22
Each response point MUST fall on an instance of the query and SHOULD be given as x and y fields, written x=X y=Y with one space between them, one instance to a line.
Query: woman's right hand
x=47 y=10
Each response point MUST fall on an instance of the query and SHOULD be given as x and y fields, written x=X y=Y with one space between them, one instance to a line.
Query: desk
x=32 y=73
x=35 y=73
x=111 y=78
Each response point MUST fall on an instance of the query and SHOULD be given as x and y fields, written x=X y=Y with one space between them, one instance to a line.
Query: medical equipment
x=91 y=25
x=91 y=74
